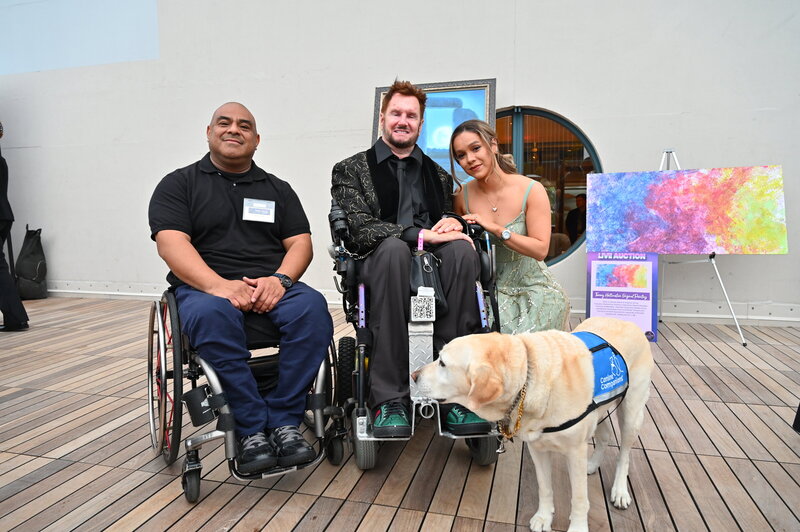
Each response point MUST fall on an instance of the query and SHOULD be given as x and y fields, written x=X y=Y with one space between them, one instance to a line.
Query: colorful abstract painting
x=622 y=275
x=718 y=210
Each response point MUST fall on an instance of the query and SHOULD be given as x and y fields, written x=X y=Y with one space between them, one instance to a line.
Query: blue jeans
x=215 y=328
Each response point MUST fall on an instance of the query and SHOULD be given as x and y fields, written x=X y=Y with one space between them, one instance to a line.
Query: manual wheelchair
x=353 y=353
x=172 y=364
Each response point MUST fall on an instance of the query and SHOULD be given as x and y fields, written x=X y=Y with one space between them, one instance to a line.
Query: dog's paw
x=578 y=528
x=541 y=522
x=620 y=496
x=593 y=467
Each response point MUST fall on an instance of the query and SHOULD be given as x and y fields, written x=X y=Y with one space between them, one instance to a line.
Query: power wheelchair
x=353 y=353
x=172 y=365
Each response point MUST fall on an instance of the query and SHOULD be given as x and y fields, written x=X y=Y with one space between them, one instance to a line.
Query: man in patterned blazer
x=394 y=194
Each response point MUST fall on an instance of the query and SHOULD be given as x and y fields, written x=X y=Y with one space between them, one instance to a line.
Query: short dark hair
x=406 y=89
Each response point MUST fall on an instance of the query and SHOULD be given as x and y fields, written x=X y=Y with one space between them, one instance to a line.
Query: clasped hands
x=251 y=295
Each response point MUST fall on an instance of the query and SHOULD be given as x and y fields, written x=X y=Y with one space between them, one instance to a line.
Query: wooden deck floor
x=717 y=450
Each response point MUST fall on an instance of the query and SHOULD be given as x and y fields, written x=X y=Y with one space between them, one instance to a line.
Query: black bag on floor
x=31 y=266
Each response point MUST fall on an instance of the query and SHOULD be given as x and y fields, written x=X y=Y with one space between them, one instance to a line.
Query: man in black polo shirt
x=236 y=240
x=394 y=195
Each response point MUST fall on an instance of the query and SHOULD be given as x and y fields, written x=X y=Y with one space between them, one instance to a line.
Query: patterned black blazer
x=368 y=192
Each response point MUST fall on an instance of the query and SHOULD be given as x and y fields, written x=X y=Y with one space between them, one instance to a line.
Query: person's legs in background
x=14 y=316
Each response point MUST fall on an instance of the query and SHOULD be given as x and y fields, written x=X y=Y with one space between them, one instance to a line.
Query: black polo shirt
x=208 y=205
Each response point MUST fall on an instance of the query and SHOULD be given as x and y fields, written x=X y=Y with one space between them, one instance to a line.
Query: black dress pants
x=386 y=274
x=10 y=304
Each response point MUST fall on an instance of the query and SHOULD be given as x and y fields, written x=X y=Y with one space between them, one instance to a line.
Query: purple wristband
x=420 y=244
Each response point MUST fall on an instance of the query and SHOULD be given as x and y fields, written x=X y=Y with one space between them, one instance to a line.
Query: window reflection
x=549 y=149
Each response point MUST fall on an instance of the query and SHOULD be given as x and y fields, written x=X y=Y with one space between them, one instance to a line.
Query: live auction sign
x=624 y=286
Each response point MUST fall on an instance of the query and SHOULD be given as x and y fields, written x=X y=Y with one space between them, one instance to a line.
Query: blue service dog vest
x=610 y=375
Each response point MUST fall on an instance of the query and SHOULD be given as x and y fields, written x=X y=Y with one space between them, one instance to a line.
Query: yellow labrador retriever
x=544 y=388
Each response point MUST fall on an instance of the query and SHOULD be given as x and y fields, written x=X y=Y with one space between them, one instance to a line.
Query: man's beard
x=398 y=143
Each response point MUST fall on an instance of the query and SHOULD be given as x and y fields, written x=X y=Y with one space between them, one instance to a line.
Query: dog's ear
x=485 y=386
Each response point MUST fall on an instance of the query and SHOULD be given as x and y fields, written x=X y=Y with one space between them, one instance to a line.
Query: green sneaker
x=391 y=421
x=462 y=421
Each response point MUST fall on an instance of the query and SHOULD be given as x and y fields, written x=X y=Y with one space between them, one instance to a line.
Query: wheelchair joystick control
x=337 y=219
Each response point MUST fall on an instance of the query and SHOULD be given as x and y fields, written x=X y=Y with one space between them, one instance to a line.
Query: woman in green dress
x=515 y=210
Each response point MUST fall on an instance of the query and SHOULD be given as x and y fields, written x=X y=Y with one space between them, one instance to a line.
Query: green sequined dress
x=530 y=299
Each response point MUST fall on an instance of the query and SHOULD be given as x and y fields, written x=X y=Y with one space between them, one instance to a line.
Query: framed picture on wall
x=449 y=104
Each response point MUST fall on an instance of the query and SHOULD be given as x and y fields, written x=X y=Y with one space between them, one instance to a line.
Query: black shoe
x=255 y=454
x=391 y=421
x=10 y=327
x=290 y=446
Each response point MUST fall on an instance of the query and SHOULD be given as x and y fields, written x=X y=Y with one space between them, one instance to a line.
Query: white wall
x=715 y=80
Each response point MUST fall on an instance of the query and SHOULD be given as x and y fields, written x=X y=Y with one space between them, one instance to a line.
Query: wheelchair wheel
x=191 y=485
x=366 y=452
x=165 y=379
x=334 y=451
x=483 y=450
x=345 y=364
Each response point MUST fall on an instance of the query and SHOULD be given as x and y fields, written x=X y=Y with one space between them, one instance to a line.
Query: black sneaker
x=391 y=421
x=255 y=454
x=290 y=446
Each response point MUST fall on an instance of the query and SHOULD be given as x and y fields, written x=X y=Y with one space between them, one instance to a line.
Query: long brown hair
x=487 y=135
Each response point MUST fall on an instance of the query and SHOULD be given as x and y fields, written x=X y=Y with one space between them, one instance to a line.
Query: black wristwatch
x=286 y=281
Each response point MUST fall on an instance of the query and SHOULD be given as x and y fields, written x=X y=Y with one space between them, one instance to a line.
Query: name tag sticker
x=258 y=210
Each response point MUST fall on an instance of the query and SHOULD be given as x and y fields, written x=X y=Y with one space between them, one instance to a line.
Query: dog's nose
x=414 y=375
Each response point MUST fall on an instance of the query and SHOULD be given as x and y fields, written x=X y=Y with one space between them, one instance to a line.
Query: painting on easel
x=717 y=210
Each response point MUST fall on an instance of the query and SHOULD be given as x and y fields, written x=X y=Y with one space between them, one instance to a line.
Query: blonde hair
x=487 y=135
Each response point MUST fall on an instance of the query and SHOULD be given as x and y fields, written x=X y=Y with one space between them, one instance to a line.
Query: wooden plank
x=787 y=488
x=370 y=483
x=118 y=508
x=291 y=513
x=409 y=521
x=667 y=427
x=348 y=517
x=422 y=487
x=715 y=514
x=744 y=510
x=752 y=419
x=697 y=384
x=464 y=524
x=260 y=514
x=320 y=514
x=344 y=481
x=232 y=512
x=392 y=493
x=675 y=492
x=212 y=505
x=152 y=506
x=505 y=489
x=50 y=506
x=451 y=485
x=122 y=483
x=765 y=497
x=378 y=518
x=720 y=438
x=436 y=522
x=25 y=489
x=475 y=500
